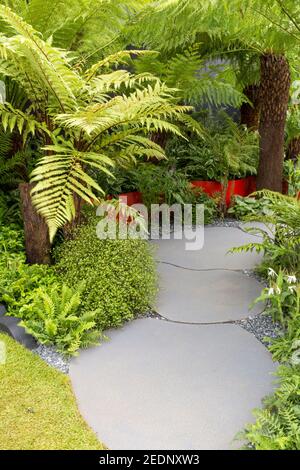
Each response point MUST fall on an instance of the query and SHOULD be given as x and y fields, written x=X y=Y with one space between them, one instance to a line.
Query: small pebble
x=53 y=358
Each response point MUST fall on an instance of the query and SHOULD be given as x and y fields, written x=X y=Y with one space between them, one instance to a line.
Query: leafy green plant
x=292 y=176
x=10 y=208
x=54 y=317
x=280 y=241
x=163 y=184
x=119 y=275
x=11 y=245
x=282 y=299
x=93 y=117
x=225 y=151
x=282 y=296
x=277 y=426
x=20 y=281
x=243 y=207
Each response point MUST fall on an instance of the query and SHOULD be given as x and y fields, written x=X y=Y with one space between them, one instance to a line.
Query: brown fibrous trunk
x=274 y=98
x=293 y=150
x=250 y=112
x=37 y=242
x=68 y=228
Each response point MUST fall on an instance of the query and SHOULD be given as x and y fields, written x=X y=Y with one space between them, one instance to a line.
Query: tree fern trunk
x=70 y=226
x=274 y=96
x=37 y=243
x=250 y=114
x=293 y=150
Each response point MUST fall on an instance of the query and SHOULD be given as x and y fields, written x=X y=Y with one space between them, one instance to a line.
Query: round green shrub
x=120 y=275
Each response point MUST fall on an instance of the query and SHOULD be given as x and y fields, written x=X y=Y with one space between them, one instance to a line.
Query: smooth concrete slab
x=161 y=385
x=214 y=254
x=206 y=296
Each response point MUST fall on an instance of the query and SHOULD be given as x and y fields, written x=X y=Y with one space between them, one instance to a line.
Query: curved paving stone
x=206 y=296
x=214 y=254
x=160 y=385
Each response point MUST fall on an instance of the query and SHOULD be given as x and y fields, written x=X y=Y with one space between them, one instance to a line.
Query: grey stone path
x=189 y=380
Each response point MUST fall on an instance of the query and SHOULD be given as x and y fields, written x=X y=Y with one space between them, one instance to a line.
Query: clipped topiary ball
x=120 y=275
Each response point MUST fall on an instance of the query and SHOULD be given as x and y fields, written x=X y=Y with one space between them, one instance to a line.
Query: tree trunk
x=293 y=150
x=37 y=242
x=250 y=114
x=274 y=98
x=160 y=138
x=69 y=227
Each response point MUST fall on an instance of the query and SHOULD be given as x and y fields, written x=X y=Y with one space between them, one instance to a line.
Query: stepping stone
x=206 y=296
x=214 y=254
x=160 y=385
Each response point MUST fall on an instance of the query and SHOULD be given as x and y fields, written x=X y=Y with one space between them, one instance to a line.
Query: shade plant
x=225 y=151
x=259 y=39
x=54 y=318
x=119 y=275
x=83 y=117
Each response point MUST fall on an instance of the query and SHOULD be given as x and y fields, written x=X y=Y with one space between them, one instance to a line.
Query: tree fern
x=91 y=118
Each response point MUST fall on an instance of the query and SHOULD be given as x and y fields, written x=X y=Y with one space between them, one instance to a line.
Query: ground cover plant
x=119 y=275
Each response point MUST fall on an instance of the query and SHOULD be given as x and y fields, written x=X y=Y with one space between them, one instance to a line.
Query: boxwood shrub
x=119 y=275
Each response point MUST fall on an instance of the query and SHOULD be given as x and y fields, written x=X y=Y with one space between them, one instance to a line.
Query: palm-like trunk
x=37 y=242
x=274 y=97
x=293 y=150
x=250 y=113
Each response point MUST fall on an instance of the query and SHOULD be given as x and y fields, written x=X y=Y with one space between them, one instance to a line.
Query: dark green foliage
x=277 y=426
x=163 y=184
x=119 y=275
x=121 y=181
x=292 y=176
x=19 y=283
x=11 y=244
x=281 y=241
x=10 y=211
x=227 y=151
x=244 y=207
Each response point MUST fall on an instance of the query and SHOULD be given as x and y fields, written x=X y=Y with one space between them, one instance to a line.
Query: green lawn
x=37 y=406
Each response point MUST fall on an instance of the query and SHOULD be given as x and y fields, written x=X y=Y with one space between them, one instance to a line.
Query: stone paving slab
x=206 y=296
x=214 y=254
x=161 y=385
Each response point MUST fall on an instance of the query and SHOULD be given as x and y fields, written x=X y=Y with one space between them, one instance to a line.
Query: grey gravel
x=53 y=358
x=226 y=222
x=263 y=327
x=255 y=275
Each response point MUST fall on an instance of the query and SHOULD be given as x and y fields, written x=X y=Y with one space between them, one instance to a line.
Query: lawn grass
x=37 y=406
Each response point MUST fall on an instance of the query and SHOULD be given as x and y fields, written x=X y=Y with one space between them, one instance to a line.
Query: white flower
x=291 y=279
x=271 y=272
x=277 y=290
x=271 y=291
x=292 y=288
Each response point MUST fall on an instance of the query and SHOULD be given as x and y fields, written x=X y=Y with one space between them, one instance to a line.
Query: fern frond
x=58 y=177
x=45 y=63
x=116 y=59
